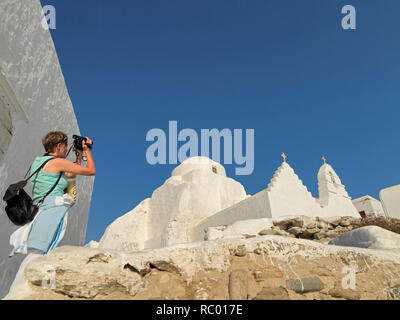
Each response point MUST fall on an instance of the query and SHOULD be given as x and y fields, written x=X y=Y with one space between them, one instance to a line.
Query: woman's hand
x=84 y=146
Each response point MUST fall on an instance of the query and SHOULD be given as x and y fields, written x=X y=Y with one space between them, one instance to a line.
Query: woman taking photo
x=47 y=229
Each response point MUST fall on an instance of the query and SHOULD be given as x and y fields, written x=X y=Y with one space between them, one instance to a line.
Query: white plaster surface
x=30 y=65
x=372 y=237
x=239 y=229
x=390 y=198
x=371 y=206
x=286 y=196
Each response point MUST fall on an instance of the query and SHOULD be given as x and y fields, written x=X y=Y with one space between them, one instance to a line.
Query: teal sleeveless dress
x=51 y=218
x=42 y=181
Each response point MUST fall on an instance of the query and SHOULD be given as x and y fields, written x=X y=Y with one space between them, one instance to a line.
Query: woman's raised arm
x=62 y=164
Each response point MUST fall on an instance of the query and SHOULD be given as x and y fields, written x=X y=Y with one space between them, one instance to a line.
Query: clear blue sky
x=286 y=69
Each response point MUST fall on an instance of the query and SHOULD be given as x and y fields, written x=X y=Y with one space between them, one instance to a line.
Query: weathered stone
x=356 y=222
x=305 y=235
x=305 y=284
x=257 y=275
x=165 y=266
x=241 y=251
x=268 y=293
x=269 y=232
x=273 y=232
x=141 y=272
x=313 y=230
x=309 y=233
x=100 y=257
x=269 y=273
x=309 y=219
x=339 y=292
x=322 y=225
x=322 y=271
x=295 y=230
x=332 y=234
x=321 y=296
x=238 y=285
x=284 y=233
x=335 y=221
x=393 y=292
x=320 y=235
x=288 y=223
x=311 y=225
x=207 y=270
x=340 y=229
x=345 y=223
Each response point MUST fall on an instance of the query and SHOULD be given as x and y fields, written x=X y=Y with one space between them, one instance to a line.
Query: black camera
x=78 y=142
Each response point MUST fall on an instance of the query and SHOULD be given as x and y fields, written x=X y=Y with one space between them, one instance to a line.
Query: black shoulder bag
x=20 y=208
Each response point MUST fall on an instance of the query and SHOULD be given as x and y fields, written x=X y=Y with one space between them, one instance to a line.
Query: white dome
x=198 y=163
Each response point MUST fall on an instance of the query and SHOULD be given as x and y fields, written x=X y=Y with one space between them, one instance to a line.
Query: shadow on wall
x=9 y=106
x=6 y=130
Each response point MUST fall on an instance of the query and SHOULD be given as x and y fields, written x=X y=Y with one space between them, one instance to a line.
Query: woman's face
x=62 y=150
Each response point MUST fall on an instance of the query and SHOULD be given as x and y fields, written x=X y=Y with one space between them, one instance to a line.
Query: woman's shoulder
x=43 y=157
x=40 y=159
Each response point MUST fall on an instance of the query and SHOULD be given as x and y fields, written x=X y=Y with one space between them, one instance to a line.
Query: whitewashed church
x=199 y=195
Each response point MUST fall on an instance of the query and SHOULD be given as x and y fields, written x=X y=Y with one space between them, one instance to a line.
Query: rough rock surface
x=264 y=267
x=304 y=227
x=242 y=228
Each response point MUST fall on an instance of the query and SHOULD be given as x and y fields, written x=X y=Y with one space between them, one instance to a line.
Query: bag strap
x=37 y=170
x=59 y=177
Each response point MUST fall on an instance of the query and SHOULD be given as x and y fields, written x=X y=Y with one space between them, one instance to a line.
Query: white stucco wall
x=5 y=124
x=333 y=195
x=286 y=196
x=390 y=198
x=253 y=207
x=38 y=102
x=371 y=206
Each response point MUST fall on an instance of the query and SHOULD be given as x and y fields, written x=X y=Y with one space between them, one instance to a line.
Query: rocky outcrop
x=262 y=267
x=373 y=237
x=304 y=227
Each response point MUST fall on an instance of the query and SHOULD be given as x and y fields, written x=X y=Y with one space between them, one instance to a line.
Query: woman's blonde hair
x=53 y=138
